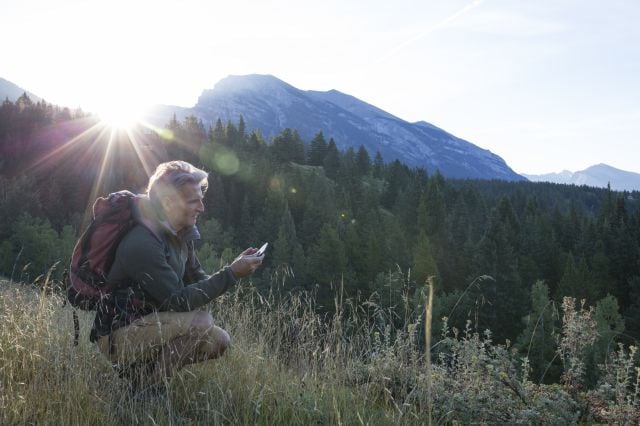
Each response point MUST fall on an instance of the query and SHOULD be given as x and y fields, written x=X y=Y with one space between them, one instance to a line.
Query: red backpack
x=93 y=255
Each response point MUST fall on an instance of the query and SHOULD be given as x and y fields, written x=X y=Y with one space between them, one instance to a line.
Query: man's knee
x=222 y=339
x=202 y=322
x=215 y=341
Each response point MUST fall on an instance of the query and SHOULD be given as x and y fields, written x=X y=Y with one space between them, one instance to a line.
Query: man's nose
x=200 y=206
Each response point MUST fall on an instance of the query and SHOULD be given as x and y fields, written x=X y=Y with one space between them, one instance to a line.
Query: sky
x=548 y=85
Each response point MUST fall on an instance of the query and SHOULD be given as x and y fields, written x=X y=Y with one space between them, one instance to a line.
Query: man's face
x=185 y=207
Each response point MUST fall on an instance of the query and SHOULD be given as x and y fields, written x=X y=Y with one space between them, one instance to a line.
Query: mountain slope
x=599 y=175
x=11 y=91
x=269 y=104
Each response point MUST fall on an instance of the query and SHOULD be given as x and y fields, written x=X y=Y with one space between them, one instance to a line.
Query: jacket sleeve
x=147 y=264
x=193 y=270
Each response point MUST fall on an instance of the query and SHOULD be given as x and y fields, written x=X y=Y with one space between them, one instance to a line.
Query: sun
x=120 y=115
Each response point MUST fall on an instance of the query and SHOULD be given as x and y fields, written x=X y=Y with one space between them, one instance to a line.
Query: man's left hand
x=246 y=263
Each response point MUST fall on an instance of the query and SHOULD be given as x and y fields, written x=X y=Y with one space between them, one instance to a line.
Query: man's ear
x=167 y=203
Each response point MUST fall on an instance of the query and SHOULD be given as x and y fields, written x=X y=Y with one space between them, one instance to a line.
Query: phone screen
x=262 y=249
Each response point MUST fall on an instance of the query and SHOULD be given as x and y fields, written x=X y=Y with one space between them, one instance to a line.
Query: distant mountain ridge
x=599 y=175
x=271 y=105
x=11 y=91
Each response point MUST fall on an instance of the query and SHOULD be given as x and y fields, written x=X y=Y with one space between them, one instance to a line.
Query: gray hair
x=170 y=177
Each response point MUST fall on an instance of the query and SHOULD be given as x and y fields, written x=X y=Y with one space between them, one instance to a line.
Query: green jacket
x=156 y=269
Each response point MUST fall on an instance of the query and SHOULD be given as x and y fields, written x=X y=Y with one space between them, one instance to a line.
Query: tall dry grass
x=287 y=365
x=290 y=365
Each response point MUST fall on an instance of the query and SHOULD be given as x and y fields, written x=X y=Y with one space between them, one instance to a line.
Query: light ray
x=141 y=155
x=59 y=150
x=97 y=184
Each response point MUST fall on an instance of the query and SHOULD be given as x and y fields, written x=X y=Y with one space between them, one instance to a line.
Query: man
x=151 y=321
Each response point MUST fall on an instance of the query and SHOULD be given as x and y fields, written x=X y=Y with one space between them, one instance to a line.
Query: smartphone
x=261 y=250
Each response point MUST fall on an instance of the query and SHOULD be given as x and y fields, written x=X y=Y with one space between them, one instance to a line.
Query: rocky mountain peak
x=247 y=85
x=271 y=105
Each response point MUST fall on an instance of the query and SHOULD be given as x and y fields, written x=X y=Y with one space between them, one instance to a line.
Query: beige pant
x=144 y=338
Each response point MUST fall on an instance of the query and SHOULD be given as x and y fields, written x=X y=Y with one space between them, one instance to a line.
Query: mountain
x=271 y=105
x=599 y=175
x=13 y=92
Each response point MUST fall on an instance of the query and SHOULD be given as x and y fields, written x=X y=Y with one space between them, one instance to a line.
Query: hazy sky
x=546 y=84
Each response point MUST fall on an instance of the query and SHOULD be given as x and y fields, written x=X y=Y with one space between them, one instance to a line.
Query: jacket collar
x=186 y=234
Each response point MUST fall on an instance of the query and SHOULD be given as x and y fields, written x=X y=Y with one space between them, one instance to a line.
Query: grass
x=287 y=365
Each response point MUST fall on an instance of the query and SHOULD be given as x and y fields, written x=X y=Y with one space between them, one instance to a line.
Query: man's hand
x=246 y=263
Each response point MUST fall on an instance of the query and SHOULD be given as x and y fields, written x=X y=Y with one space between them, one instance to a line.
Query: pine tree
x=378 y=166
x=577 y=281
x=436 y=212
x=287 y=250
x=231 y=136
x=422 y=219
x=398 y=177
x=632 y=313
x=24 y=102
x=216 y=199
x=268 y=222
x=424 y=265
x=283 y=245
x=328 y=261
x=459 y=240
x=255 y=141
x=363 y=162
x=373 y=236
x=356 y=253
x=331 y=162
x=317 y=150
x=217 y=137
x=509 y=219
x=610 y=326
x=287 y=146
x=505 y=294
x=246 y=229
x=241 y=128
x=319 y=208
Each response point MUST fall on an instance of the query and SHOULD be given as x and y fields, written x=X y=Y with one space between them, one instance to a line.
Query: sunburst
x=120 y=114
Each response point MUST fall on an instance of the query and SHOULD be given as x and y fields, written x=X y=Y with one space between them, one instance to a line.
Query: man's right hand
x=246 y=263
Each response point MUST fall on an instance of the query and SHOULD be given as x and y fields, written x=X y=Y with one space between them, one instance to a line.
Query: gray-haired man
x=152 y=319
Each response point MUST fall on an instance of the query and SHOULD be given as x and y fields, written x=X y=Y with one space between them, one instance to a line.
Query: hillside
x=11 y=91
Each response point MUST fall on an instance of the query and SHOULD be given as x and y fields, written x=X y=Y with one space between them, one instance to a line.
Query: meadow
x=289 y=364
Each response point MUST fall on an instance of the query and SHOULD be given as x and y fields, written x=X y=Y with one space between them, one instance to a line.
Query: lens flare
x=166 y=134
x=226 y=163
x=275 y=184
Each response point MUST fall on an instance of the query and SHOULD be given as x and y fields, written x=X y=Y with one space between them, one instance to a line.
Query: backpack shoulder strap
x=141 y=217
